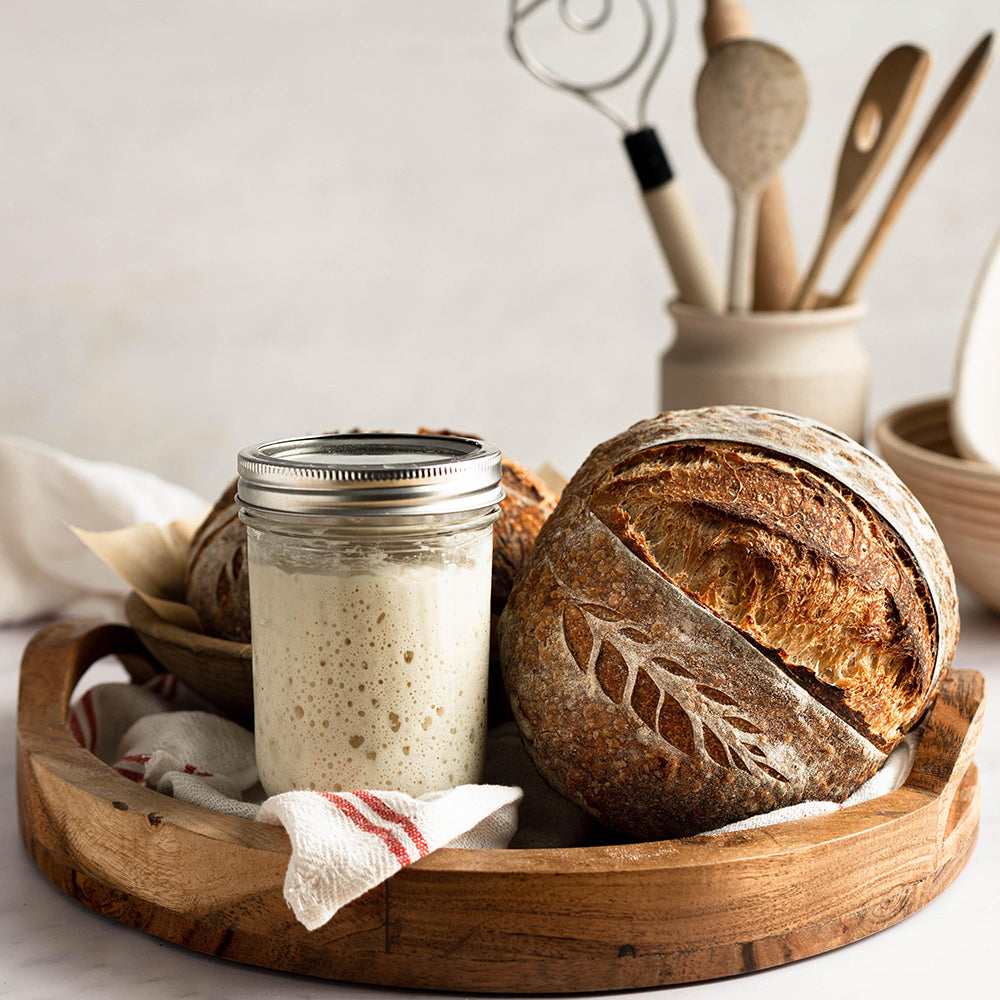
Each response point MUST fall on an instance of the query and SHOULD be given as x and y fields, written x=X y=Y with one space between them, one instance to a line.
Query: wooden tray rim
x=43 y=736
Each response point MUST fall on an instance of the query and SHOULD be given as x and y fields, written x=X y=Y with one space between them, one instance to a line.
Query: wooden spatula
x=949 y=109
x=881 y=114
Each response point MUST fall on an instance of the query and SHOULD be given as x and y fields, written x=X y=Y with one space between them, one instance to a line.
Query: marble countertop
x=56 y=947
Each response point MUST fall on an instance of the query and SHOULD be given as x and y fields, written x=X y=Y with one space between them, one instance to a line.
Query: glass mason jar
x=370 y=560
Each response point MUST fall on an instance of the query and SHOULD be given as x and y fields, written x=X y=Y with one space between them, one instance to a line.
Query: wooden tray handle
x=947 y=746
x=60 y=654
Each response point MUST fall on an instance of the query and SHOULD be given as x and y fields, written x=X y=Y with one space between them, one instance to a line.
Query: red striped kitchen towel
x=165 y=737
x=343 y=844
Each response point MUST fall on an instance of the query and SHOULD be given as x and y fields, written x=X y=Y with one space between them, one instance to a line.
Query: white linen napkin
x=44 y=570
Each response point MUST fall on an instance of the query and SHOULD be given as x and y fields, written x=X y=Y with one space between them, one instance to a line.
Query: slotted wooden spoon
x=949 y=109
x=881 y=114
x=751 y=103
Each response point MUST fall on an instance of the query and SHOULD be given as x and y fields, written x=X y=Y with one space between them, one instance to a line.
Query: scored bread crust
x=639 y=701
x=216 y=581
x=527 y=504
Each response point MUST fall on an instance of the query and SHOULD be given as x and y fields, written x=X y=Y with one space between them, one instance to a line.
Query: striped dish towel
x=345 y=843
x=165 y=737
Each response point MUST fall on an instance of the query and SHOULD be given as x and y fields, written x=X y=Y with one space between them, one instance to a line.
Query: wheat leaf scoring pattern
x=636 y=636
x=603 y=613
x=743 y=725
x=655 y=708
x=714 y=694
x=579 y=638
x=645 y=698
x=675 y=727
x=672 y=667
x=714 y=747
x=767 y=769
x=612 y=671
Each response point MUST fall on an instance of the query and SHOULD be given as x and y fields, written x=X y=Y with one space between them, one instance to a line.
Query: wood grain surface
x=595 y=918
x=218 y=669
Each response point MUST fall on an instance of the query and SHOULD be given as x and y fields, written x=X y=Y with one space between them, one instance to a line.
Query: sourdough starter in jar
x=383 y=673
x=370 y=565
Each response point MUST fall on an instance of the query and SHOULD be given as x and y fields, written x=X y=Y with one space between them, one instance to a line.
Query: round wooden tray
x=595 y=918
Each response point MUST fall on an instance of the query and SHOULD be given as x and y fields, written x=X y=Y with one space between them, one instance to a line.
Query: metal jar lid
x=370 y=474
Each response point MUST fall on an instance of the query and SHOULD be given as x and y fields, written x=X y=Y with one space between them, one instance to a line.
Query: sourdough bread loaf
x=730 y=610
x=525 y=508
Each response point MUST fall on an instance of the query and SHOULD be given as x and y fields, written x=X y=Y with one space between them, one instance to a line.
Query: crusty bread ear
x=729 y=611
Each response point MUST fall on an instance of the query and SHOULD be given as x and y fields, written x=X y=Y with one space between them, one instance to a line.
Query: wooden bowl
x=961 y=497
x=219 y=670
x=531 y=921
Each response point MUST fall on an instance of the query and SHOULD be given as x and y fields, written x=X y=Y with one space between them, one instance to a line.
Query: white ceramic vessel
x=809 y=362
x=974 y=415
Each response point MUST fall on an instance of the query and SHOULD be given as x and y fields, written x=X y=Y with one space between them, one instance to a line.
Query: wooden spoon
x=776 y=270
x=949 y=109
x=751 y=103
x=881 y=114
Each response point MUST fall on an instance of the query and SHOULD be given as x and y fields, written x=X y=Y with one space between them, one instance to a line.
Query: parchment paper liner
x=150 y=558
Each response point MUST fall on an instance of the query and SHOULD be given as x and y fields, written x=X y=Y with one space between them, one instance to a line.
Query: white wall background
x=228 y=220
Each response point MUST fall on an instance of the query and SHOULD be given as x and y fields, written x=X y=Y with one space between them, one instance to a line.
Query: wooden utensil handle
x=675 y=224
x=725 y=19
x=852 y=283
x=808 y=292
x=744 y=238
x=947 y=112
x=776 y=269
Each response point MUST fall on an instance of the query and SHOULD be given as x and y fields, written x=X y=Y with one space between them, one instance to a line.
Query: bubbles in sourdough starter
x=373 y=679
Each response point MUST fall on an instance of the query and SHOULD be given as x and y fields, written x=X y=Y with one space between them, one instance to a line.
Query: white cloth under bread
x=161 y=736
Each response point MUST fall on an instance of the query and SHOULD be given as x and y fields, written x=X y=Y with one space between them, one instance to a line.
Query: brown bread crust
x=525 y=508
x=730 y=610
x=215 y=579
x=523 y=511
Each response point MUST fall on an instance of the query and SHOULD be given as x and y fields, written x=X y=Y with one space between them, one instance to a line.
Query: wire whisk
x=589 y=92
x=670 y=212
